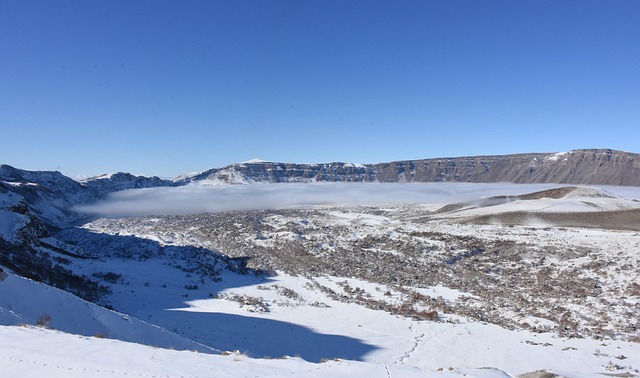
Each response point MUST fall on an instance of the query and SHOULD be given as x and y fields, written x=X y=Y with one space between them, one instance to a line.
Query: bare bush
x=44 y=321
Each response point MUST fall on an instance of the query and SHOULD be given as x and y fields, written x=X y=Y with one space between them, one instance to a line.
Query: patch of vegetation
x=38 y=265
x=110 y=277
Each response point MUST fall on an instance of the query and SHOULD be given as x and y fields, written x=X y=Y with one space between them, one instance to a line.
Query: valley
x=464 y=280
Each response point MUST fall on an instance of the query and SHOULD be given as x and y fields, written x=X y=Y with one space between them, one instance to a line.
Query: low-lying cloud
x=196 y=199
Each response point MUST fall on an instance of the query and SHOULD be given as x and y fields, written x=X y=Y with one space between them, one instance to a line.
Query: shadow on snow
x=260 y=337
x=139 y=294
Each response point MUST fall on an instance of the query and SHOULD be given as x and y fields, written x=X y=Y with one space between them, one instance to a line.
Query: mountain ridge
x=583 y=166
x=52 y=194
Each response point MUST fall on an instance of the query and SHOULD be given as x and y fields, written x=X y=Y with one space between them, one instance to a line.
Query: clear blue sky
x=166 y=87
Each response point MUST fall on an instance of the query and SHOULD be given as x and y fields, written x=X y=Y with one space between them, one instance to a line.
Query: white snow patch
x=556 y=156
x=444 y=292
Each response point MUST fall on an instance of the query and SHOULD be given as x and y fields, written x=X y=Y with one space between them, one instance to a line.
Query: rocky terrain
x=575 y=281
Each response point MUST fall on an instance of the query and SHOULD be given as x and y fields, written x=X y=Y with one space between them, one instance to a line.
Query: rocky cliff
x=589 y=167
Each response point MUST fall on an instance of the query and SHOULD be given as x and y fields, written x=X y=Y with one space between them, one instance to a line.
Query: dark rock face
x=594 y=167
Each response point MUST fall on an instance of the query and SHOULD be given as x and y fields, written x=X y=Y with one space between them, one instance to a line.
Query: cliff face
x=595 y=167
x=288 y=172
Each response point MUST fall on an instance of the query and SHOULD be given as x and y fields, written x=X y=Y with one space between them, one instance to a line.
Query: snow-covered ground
x=36 y=352
x=183 y=310
x=291 y=338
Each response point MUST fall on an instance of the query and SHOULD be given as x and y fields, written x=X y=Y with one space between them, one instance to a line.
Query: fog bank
x=196 y=199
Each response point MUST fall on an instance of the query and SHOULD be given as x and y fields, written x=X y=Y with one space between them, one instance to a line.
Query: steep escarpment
x=590 y=167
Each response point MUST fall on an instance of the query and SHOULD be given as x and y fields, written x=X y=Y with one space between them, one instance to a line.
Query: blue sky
x=167 y=87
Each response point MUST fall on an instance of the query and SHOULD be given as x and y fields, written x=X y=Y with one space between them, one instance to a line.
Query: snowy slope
x=404 y=347
x=49 y=194
x=558 y=200
x=23 y=301
x=35 y=352
x=316 y=315
x=273 y=316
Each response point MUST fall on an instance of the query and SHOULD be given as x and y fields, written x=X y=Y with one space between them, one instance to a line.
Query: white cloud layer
x=196 y=199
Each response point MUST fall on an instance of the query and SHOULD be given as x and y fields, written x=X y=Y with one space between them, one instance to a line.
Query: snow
x=283 y=325
x=187 y=176
x=9 y=199
x=34 y=352
x=354 y=165
x=557 y=156
x=582 y=199
x=10 y=223
x=443 y=292
x=83 y=339
x=19 y=183
x=224 y=177
x=105 y=176
x=396 y=347
x=23 y=301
